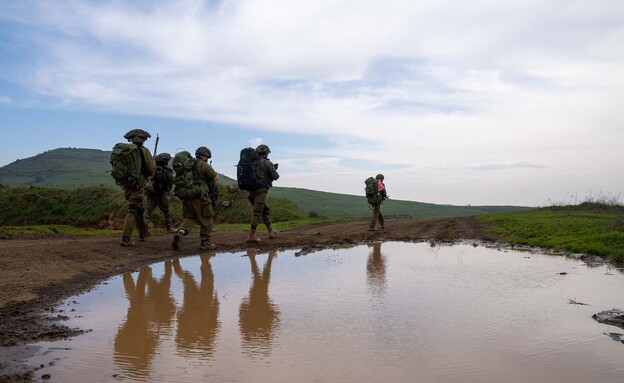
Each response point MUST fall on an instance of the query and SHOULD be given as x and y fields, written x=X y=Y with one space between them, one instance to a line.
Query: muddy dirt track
x=35 y=274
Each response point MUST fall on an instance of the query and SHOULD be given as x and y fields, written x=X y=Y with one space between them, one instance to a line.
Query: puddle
x=395 y=312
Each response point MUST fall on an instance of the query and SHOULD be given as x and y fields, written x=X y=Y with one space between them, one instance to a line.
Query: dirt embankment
x=35 y=274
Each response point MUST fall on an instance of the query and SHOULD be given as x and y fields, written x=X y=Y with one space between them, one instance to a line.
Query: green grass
x=284 y=225
x=343 y=205
x=52 y=230
x=590 y=228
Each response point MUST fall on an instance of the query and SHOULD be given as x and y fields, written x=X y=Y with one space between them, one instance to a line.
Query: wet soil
x=36 y=274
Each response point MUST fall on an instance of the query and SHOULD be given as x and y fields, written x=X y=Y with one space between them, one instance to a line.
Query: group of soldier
x=196 y=210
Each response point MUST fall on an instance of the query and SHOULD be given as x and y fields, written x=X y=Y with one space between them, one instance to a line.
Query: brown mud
x=36 y=274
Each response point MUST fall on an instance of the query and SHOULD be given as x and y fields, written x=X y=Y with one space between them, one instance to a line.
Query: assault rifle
x=156 y=145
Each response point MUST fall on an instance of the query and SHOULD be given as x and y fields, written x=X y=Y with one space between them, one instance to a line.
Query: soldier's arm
x=149 y=164
x=208 y=172
x=273 y=174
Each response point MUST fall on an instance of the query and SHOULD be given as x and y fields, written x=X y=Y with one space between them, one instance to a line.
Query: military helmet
x=137 y=135
x=203 y=151
x=263 y=150
x=379 y=177
x=162 y=159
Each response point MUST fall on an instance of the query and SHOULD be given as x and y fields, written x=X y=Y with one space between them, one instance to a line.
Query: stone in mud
x=613 y=317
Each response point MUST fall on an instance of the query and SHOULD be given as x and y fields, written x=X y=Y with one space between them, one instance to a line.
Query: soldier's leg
x=206 y=219
x=150 y=205
x=163 y=204
x=188 y=221
x=374 y=217
x=255 y=199
x=381 y=219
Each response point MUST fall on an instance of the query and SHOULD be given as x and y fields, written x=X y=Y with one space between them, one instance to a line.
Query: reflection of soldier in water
x=258 y=316
x=198 y=319
x=149 y=317
x=376 y=270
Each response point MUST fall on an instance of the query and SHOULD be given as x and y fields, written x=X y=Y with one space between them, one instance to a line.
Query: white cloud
x=438 y=87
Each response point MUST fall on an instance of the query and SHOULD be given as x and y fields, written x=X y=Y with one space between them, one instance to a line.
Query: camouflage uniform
x=158 y=192
x=266 y=171
x=377 y=216
x=199 y=209
x=134 y=195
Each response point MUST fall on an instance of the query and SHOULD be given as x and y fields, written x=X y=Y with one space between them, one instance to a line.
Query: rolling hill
x=73 y=168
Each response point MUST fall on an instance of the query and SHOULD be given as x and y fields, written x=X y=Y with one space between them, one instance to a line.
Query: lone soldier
x=266 y=171
x=134 y=194
x=158 y=188
x=200 y=208
x=376 y=202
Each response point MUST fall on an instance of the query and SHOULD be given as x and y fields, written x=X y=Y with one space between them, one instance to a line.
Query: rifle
x=156 y=145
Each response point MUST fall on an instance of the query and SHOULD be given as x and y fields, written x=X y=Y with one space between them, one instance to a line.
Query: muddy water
x=392 y=312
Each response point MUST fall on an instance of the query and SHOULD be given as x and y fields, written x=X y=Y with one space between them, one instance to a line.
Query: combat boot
x=252 y=237
x=143 y=237
x=272 y=233
x=206 y=245
x=126 y=242
x=177 y=238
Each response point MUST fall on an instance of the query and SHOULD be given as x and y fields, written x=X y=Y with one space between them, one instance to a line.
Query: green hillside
x=73 y=168
x=64 y=168
x=342 y=205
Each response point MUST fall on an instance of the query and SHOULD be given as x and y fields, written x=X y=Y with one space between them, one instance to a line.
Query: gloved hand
x=275 y=166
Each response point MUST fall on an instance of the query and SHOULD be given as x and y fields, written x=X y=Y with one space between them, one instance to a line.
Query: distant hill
x=73 y=168
x=343 y=205
x=65 y=168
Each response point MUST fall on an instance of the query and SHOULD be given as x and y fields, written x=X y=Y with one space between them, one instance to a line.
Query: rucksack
x=372 y=191
x=246 y=171
x=186 y=184
x=127 y=161
x=160 y=182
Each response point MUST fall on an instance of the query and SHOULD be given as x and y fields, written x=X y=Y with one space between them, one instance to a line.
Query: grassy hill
x=65 y=168
x=342 y=205
x=73 y=168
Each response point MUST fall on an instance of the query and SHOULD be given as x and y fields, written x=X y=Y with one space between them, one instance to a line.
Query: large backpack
x=372 y=191
x=186 y=184
x=246 y=171
x=127 y=161
x=160 y=182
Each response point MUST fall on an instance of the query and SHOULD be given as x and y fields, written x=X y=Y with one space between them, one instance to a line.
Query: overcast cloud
x=462 y=102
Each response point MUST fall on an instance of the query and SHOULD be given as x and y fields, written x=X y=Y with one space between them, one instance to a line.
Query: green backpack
x=127 y=163
x=186 y=184
x=372 y=193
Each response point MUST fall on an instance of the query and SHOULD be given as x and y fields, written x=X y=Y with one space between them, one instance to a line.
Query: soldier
x=200 y=208
x=376 y=202
x=134 y=194
x=158 y=188
x=266 y=171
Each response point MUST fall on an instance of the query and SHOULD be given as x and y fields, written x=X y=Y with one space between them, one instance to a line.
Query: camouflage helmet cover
x=379 y=177
x=203 y=151
x=262 y=149
x=162 y=158
x=137 y=134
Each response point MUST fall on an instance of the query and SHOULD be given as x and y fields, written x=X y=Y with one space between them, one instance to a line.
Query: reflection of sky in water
x=392 y=312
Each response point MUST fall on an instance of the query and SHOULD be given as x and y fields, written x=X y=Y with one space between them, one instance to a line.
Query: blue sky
x=513 y=102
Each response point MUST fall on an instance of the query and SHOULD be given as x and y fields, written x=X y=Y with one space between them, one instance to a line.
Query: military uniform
x=199 y=209
x=134 y=195
x=266 y=171
x=158 y=188
x=377 y=216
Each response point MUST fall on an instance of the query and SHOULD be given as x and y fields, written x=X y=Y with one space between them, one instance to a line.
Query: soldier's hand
x=275 y=166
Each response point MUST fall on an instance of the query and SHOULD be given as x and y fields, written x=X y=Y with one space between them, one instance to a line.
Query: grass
x=590 y=227
x=52 y=230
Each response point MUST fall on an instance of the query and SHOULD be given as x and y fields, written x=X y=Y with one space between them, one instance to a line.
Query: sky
x=482 y=102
